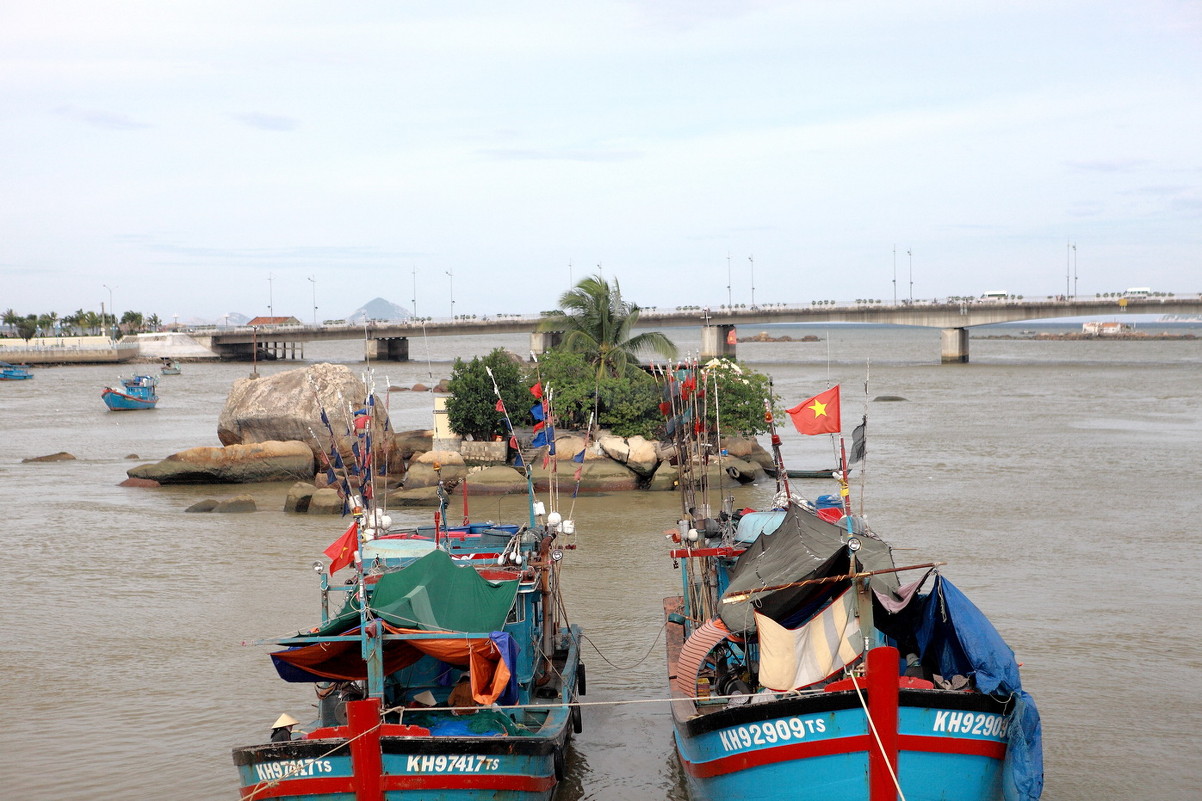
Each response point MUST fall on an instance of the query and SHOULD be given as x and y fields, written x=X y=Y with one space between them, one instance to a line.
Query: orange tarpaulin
x=342 y=661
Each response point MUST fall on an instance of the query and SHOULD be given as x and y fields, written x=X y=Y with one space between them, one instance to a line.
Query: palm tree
x=596 y=322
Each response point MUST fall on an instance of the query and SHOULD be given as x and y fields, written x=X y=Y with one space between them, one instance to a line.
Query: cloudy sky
x=198 y=158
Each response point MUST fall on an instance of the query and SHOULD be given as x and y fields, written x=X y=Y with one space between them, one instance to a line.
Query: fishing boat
x=447 y=670
x=795 y=473
x=170 y=367
x=14 y=372
x=798 y=661
x=139 y=392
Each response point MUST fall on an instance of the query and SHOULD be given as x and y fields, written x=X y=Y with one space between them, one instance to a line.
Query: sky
x=192 y=159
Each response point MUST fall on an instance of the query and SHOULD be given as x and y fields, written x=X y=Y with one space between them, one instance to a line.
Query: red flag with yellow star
x=819 y=414
x=342 y=550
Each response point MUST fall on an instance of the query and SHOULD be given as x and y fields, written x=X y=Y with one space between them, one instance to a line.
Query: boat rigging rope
x=876 y=736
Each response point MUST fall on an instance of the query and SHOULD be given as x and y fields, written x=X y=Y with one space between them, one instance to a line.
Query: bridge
x=389 y=341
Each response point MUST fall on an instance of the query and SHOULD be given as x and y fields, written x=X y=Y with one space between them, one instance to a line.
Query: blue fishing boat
x=798 y=662
x=14 y=372
x=139 y=392
x=446 y=671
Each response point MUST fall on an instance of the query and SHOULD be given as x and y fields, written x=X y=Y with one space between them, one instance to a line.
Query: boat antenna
x=782 y=475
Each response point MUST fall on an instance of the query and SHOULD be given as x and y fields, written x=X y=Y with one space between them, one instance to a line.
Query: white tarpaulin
x=792 y=658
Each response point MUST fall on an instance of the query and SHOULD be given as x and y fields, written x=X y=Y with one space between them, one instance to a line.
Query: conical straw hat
x=425 y=698
x=284 y=720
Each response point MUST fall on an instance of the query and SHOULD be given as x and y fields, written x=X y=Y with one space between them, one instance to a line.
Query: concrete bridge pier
x=953 y=345
x=543 y=341
x=388 y=349
x=718 y=341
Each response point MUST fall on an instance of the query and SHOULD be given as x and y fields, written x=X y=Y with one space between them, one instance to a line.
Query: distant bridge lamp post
x=910 y=254
x=112 y=311
x=451 y=275
x=313 y=281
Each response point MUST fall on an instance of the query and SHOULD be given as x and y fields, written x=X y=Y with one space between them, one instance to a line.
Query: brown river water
x=1060 y=480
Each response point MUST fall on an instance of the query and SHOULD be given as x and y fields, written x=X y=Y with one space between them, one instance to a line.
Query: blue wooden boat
x=139 y=392
x=446 y=670
x=14 y=372
x=798 y=664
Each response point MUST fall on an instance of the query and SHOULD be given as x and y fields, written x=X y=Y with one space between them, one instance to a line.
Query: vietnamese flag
x=537 y=390
x=500 y=406
x=342 y=550
x=819 y=414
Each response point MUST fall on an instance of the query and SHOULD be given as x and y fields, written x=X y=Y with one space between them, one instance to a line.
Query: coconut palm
x=596 y=322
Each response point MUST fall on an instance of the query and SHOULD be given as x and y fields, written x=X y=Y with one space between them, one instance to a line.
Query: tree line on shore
x=81 y=323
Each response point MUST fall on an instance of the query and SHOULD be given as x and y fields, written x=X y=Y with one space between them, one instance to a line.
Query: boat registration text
x=292 y=769
x=771 y=732
x=984 y=724
x=443 y=763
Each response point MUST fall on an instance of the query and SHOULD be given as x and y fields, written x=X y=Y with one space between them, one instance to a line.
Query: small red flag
x=537 y=390
x=500 y=405
x=819 y=414
x=342 y=550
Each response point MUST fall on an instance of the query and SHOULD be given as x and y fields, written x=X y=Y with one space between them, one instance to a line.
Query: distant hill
x=379 y=309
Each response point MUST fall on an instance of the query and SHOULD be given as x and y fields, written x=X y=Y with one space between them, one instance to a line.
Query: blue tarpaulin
x=954 y=635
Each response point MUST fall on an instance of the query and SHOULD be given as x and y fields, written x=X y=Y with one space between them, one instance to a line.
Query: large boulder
x=287 y=406
x=426 y=470
x=602 y=475
x=234 y=464
x=749 y=449
x=637 y=453
x=496 y=480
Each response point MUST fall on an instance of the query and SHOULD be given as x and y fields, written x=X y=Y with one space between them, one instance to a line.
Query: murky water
x=1060 y=480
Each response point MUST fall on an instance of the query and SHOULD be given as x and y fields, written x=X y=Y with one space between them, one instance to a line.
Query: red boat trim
x=951 y=745
x=841 y=745
x=781 y=753
x=453 y=781
x=326 y=785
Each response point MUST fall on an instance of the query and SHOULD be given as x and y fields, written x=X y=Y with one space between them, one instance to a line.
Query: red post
x=363 y=723
x=882 y=708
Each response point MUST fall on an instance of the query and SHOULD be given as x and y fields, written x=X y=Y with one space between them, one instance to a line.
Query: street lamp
x=414 y=291
x=451 y=275
x=910 y=253
x=1074 y=269
x=270 y=308
x=752 y=260
x=111 y=310
x=730 y=301
x=895 y=275
x=313 y=281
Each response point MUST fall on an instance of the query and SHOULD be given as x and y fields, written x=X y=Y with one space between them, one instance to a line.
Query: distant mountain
x=235 y=318
x=378 y=309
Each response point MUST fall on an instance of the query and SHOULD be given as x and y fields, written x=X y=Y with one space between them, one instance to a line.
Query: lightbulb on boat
x=539 y=509
x=554 y=519
x=318 y=567
x=569 y=527
x=853 y=544
x=693 y=535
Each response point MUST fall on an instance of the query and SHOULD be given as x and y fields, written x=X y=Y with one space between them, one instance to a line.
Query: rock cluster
x=272 y=430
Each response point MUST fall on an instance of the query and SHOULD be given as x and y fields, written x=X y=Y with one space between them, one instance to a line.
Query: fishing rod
x=743 y=596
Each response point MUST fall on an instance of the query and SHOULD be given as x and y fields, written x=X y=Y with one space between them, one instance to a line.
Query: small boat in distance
x=170 y=367
x=812 y=473
x=134 y=393
x=13 y=372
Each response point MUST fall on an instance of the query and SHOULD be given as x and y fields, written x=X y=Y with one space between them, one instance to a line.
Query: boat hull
x=406 y=768
x=950 y=746
x=121 y=402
